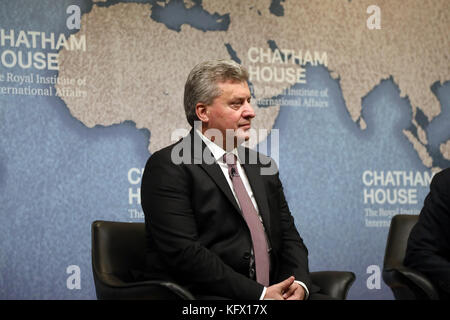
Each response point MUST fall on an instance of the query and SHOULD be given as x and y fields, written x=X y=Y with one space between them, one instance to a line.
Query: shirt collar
x=217 y=151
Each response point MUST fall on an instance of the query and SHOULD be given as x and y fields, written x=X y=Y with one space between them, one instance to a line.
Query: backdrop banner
x=352 y=100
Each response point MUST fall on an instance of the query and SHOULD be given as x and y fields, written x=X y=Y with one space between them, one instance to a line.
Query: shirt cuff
x=306 y=289
x=263 y=294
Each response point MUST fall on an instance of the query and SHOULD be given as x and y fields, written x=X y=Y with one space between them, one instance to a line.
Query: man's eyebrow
x=241 y=97
x=239 y=100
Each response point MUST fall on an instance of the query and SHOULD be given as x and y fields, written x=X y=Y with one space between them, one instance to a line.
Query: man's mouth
x=245 y=126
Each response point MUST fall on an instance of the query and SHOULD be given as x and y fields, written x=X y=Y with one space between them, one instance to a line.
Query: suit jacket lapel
x=216 y=174
x=211 y=167
x=213 y=170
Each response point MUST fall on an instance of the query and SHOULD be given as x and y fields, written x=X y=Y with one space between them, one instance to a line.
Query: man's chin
x=242 y=135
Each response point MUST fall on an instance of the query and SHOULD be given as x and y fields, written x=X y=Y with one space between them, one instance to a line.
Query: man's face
x=231 y=110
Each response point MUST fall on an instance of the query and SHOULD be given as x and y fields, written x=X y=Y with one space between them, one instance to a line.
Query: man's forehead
x=234 y=88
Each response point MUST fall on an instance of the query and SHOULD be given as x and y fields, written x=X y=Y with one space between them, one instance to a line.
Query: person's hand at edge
x=276 y=291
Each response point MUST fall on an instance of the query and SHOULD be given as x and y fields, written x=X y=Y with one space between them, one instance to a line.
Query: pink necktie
x=254 y=223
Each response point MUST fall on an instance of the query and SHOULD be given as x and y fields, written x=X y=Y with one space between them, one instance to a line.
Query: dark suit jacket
x=196 y=234
x=428 y=249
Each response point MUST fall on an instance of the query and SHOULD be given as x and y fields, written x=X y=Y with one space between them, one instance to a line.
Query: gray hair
x=201 y=84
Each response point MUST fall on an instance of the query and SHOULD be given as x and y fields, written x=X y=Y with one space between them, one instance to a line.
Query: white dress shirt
x=218 y=153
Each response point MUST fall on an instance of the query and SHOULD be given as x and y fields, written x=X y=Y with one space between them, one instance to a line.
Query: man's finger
x=298 y=294
x=289 y=292
x=287 y=283
x=295 y=296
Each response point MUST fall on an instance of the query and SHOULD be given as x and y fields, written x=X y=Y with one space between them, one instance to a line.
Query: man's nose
x=249 y=112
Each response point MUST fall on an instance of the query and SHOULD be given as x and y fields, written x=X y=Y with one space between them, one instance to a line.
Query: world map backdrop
x=352 y=99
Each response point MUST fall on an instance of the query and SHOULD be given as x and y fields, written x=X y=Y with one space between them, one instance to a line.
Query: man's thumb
x=287 y=283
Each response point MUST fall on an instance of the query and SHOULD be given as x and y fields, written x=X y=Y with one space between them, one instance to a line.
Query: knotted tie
x=253 y=222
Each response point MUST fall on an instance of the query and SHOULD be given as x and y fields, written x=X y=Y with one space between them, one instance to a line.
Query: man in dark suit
x=200 y=197
x=428 y=249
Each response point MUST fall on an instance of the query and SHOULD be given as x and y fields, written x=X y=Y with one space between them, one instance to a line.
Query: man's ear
x=202 y=112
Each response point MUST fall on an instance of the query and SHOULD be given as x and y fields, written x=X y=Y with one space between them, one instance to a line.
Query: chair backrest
x=118 y=263
x=118 y=247
x=397 y=240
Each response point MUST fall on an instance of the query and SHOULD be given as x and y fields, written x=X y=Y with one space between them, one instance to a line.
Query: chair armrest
x=112 y=288
x=395 y=276
x=333 y=283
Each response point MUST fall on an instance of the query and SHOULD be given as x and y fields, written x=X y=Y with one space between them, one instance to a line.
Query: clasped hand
x=285 y=290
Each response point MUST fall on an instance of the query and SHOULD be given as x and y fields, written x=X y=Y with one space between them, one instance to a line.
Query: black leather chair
x=118 y=249
x=405 y=283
